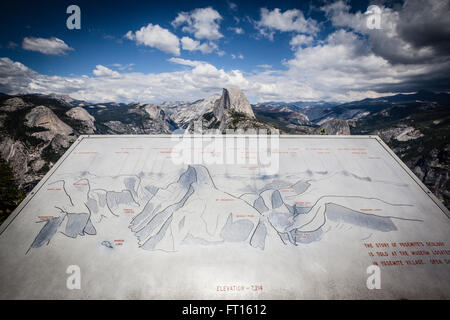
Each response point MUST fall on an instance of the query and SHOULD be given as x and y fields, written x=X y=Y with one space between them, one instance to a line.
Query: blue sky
x=100 y=40
x=153 y=51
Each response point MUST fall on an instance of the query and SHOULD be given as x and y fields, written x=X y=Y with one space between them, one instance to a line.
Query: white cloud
x=300 y=40
x=52 y=46
x=203 y=23
x=288 y=21
x=237 y=30
x=333 y=70
x=185 y=62
x=102 y=71
x=200 y=80
x=239 y=56
x=156 y=37
x=233 y=6
x=342 y=67
x=190 y=44
x=264 y=66
x=130 y=35
x=416 y=32
x=122 y=67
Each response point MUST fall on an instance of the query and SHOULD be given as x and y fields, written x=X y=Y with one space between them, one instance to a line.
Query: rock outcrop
x=79 y=113
x=16 y=154
x=232 y=99
x=154 y=112
x=433 y=169
x=284 y=118
x=43 y=117
x=184 y=114
x=334 y=127
x=232 y=111
x=135 y=118
x=13 y=104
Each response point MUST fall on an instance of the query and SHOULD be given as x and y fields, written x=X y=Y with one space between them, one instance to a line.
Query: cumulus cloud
x=14 y=76
x=300 y=40
x=352 y=62
x=156 y=37
x=51 y=46
x=288 y=21
x=190 y=44
x=340 y=68
x=201 y=79
x=416 y=32
x=102 y=71
x=344 y=63
x=203 y=23
x=426 y=28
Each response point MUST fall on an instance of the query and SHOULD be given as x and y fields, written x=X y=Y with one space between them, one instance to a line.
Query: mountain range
x=36 y=129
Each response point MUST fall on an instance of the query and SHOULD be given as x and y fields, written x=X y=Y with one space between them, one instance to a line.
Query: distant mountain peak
x=233 y=99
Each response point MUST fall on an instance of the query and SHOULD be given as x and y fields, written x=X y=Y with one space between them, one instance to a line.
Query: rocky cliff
x=419 y=133
x=232 y=104
x=35 y=132
x=232 y=100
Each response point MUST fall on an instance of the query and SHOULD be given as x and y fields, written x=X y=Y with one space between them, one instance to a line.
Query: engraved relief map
x=121 y=208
